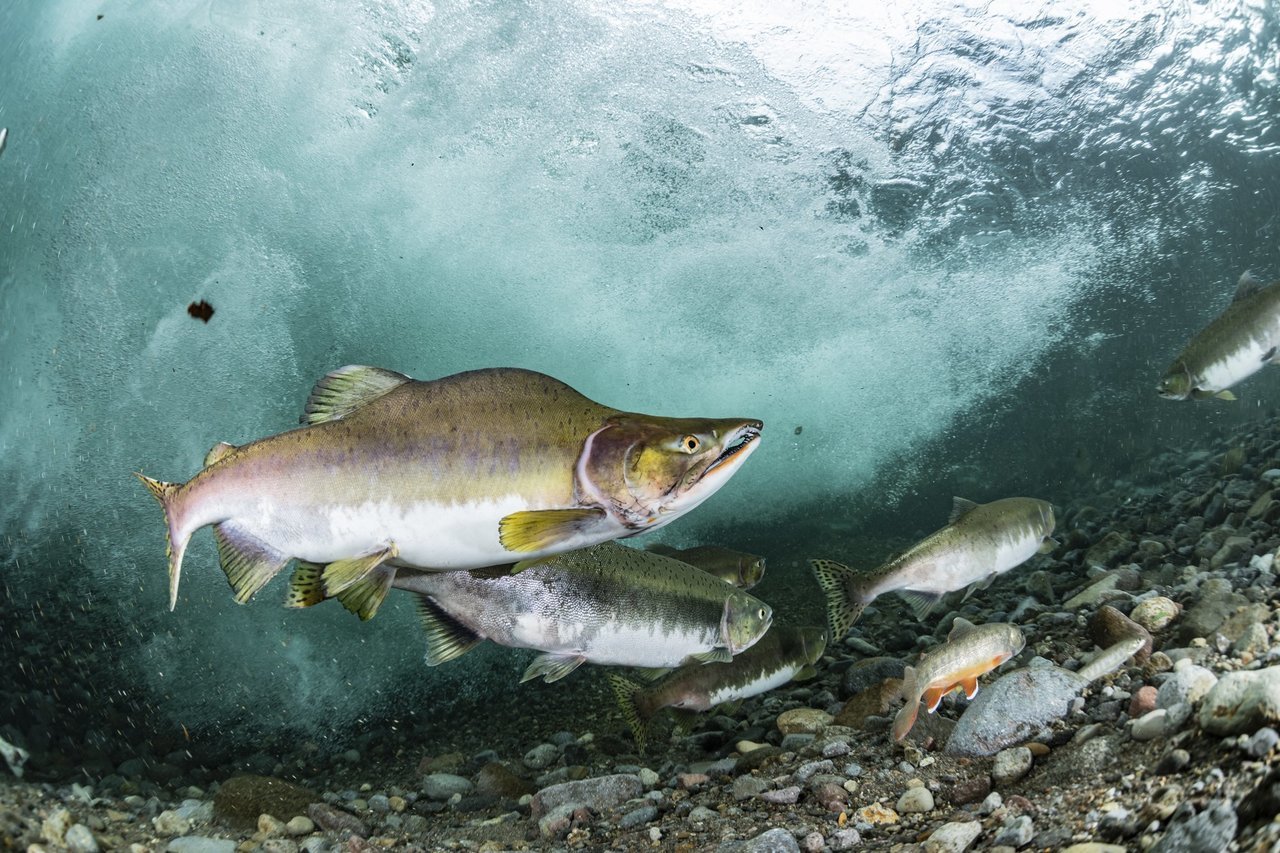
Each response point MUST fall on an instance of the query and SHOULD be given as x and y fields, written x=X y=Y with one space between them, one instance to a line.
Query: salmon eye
x=690 y=443
x=761 y=614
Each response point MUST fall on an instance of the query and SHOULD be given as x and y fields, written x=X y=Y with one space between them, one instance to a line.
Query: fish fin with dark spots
x=960 y=507
x=717 y=655
x=306 y=589
x=247 y=562
x=921 y=603
x=552 y=667
x=969 y=686
x=684 y=721
x=540 y=529
x=175 y=544
x=447 y=638
x=346 y=389
x=730 y=708
x=959 y=627
x=626 y=692
x=341 y=574
x=839 y=585
x=364 y=597
x=218 y=452
x=1048 y=546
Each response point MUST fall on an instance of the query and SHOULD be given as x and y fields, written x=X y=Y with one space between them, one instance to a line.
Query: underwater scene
x=738 y=427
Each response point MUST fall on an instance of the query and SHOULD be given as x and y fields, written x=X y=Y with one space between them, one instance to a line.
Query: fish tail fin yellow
x=844 y=601
x=175 y=542
x=907 y=716
x=626 y=691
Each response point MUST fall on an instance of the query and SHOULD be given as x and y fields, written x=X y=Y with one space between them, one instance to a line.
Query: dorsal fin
x=346 y=389
x=218 y=452
x=1246 y=286
x=959 y=509
x=959 y=628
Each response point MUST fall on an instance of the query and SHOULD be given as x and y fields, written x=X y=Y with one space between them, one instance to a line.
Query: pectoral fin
x=805 y=673
x=447 y=638
x=248 y=563
x=932 y=697
x=717 y=655
x=1225 y=395
x=341 y=574
x=552 y=667
x=1048 y=546
x=540 y=529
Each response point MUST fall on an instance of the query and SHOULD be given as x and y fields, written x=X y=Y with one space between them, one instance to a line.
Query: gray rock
x=1188 y=683
x=805 y=771
x=844 y=839
x=557 y=821
x=169 y=822
x=1173 y=762
x=541 y=756
x=80 y=840
x=1253 y=640
x=598 y=794
x=746 y=787
x=1212 y=829
x=200 y=844
x=1242 y=702
x=783 y=796
x=1011 y=765
x=702 y=814
x=1014 y=708
x=870 y=672
x=1150 y=725
x=1016 y=832
x=773 y=841
x=1263 y=741
x=442 y=786
x=1108 y=550
x=1215 y=602
x=953 y=837
x=639 y=817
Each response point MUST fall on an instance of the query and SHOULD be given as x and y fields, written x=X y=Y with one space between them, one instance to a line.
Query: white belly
x=614 y=643
x=1235 y=366
x=762 y=684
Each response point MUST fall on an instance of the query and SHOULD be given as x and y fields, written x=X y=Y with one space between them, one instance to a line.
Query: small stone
x=746 y=787
x=916 y=800
x=1172 y=762
x=783 y=796
x=1142 y=701
x=971 y=790
x=844 y=839
x=300 y=825
x=953 y=837
x=1016 y=832
x=598 y=793
x=331 y=819
x=1253 y=641
x=639 y=817
x=170 y=823
x=1011 y=765
x=772 y=841
x=1242 y=702
x=1156 y=614
x=876 y=815
x=269 y=826
x=1150 y=725
x=79 y=839
x=541 y=756
x=1212 y=829
x=806 y=771
x=688 y=781
x=803 y=721
x=1109 y=626
x=442 y=786
x=200 y=844
x=54 y=828
x=1093 y=593
x=814 y=842
x=1262 y=742
x=1189 y=683
x=871 y=672
x=1107 y=551
x=702 y=814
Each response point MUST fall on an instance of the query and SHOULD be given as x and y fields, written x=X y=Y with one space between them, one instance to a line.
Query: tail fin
x=907 y=716
x=175 y=545
x=844 y=605
x=626 y=691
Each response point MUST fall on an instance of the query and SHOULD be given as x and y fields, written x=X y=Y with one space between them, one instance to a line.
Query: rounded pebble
x=916 y=800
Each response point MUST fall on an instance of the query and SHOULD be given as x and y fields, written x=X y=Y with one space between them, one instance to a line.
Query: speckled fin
x=959 y=509
x=921 y=603
x=364 y=597
x=218 y=452
x=447 y=638
x=539 y=529
x=305 y=587
x=552 y=667
x=249 y=564
x=843 y=608
x=346 y=389
x=626 y=692
x=342 y=574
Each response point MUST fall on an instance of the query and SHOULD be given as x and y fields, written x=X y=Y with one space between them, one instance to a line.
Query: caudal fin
x=626 y=692
x=844 y=605
x=907 y=716
x=175 y=544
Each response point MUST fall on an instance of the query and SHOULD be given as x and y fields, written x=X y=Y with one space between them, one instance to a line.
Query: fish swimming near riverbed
x=608 y=604
x=980 y=542
x=1238 y=343
x=970 y=651
x=782 y=655
x=475 y=469
x=736 y=567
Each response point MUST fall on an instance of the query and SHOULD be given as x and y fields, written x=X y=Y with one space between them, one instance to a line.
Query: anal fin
x=305 y=587
x=341 y=574
x=970 y=686
x=364 y=597
x=537 y=530
x=247 y=562
x=552 y=667
x=447 y=638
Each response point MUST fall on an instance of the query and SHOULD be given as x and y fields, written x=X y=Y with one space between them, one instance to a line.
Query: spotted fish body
x=1238 y=343
x=471 y=470
x=970 y=651
x=980 y=542
x=782 y=655
x=608 y=604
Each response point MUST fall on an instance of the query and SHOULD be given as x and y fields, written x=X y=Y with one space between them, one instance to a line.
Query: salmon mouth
x=746 y=437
